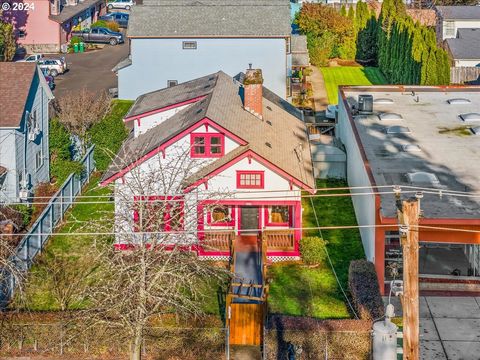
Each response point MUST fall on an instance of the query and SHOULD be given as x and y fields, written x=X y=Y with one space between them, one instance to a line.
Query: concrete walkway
x=320 y=97
x=449 y=327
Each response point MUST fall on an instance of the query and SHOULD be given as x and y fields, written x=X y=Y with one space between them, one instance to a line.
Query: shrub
x=313 y=250
x=363 y=284
x=109 y=134
x=75 y=40
x=99 y=23
x=112 y=25
x=26 y=212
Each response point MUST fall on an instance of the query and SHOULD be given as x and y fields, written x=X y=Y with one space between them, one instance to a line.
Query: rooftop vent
x=365 y=104
x=458 y=101
x=390 y=116
x=269 y=108
x=475 y=130
x=398 y=130
x=206 y=86
x=269 y=122
x=268 y=144
x=411 y=148
x=470 y=117
x=421 y=177
x=383 y=101
x=199 y=111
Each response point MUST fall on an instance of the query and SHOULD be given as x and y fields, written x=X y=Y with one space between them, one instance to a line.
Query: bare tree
x=157 y=272
x=78 y=111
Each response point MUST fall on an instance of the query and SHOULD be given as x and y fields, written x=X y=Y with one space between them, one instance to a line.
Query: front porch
x=280 y=243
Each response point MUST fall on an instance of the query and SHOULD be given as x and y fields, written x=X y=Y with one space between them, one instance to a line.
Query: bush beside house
x=363 y=284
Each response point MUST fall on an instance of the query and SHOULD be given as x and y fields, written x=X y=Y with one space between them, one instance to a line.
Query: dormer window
x=207 y=145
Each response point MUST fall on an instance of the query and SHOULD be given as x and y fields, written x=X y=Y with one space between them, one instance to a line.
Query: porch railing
x=218 y=241
x=281 y=239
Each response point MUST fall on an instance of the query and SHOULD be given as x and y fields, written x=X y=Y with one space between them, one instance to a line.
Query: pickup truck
x=100 y=35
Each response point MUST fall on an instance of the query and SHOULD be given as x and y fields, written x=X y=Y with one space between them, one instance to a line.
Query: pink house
x=244 y=142
x=45 y=25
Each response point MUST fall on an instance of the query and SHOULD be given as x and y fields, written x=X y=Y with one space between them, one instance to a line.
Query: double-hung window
x=278 y=215
x=221 y=215
x=250 y=179
x=158 y=213
x=206 y=145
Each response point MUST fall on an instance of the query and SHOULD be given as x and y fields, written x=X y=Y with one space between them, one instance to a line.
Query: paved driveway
x=92 y=70
x=449 y=327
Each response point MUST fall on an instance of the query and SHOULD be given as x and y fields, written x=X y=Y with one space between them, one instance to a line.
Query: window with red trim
x=158 y=213
x=206 y=145
x=221 y=215
x=250 y=179
x=278 y=215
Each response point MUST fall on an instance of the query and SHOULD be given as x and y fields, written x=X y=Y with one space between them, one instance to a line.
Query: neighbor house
x=24 y=156
x=173 y=43
x=464 y=50
x=421 y=139
x=242 y=143
x=45 y=25
x=452 y=18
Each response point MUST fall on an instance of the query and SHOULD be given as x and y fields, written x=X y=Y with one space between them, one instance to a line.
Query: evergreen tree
x=343 y=10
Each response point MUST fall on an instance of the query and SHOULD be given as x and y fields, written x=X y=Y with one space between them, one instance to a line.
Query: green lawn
x=304 y=291
x=349 y=75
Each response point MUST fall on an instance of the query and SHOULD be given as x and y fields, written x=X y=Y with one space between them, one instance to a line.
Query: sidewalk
x=320 y=97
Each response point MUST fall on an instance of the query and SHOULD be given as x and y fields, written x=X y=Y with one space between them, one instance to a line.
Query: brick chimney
x=253 y=97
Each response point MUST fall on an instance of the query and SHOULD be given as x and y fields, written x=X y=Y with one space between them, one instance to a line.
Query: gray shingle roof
x=299 y=44
x=464 y=49
x=469 y=33
x=459 y=12
x=72 y=10
x=215 y=2
x=286 y=133
x=209 y=21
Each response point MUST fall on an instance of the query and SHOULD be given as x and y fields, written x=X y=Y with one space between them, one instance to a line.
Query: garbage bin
x=82 y=47
x=75 y=47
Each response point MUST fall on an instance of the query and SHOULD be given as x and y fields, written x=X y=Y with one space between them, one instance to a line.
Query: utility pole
x=408 y=212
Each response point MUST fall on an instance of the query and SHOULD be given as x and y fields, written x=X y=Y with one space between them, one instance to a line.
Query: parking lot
x=449 y=327
x=91 y=70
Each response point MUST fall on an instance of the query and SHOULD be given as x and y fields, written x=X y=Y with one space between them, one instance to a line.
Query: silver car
x=120 y=4
x=53 y=67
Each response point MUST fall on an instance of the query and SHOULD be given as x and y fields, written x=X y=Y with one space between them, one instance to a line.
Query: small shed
x=328 y=155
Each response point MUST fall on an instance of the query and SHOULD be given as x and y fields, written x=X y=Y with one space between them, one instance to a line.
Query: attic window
x=470 y=117
x=411 y=148
x=475 y=130
x=398 y=130
x=458 y=101
x=383 y=101
x=390 y=116
x=421 y=177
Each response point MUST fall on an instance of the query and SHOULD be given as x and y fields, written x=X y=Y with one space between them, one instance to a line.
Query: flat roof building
x=421 y=139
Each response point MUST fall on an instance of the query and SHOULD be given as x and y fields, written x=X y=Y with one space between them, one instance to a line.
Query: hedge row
x=363 y=284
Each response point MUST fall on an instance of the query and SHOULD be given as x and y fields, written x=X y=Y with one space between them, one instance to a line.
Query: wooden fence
x=465 y=75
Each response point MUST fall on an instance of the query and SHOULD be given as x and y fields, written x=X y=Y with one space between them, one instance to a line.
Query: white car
x=331 y=111
x=53 y=67
x=120 y=4
x=32 y=58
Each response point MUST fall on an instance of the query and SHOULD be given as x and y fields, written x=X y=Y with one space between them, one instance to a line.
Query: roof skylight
x=390 y=116
x=458 y=101
x=411 y=148
x=475 y=130
x=470 y=117
x=398 y=130
x=383 y=101
x=422 y=177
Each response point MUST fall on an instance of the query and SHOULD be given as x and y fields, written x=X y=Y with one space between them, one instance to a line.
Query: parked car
x=120 y=4
x=100 y=35
x=31 y=58
x=331 y=111
x=53 y=66
x=50 y=80
x=120 y=18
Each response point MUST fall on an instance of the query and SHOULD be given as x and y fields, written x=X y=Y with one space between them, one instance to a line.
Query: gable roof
x=280 y=138
x=16 y=80
x=189 y=21
x=459 y=12
x=465 y=48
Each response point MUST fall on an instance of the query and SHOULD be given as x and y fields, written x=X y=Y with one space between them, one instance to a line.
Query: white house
x=247 y=146
x=174 y=42
x=452 y=18
x=24 y=155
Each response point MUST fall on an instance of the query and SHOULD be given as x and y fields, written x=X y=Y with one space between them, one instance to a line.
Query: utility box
x=384 y=340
